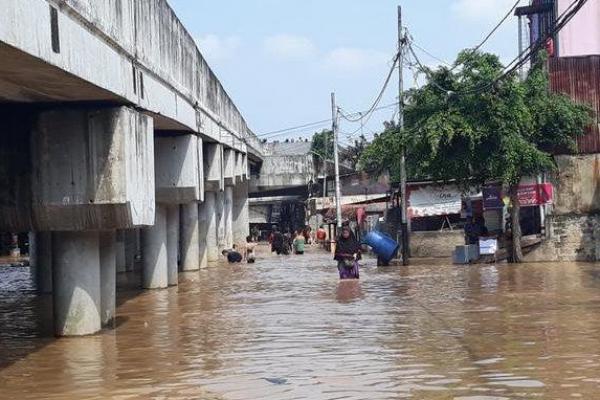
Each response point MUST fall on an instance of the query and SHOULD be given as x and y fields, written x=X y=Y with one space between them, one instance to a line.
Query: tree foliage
x=456 y=132
x=322 y=148
x=466 y=125
x=351 y=154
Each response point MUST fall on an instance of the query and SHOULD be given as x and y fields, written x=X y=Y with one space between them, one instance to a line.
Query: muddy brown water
x=286 y=328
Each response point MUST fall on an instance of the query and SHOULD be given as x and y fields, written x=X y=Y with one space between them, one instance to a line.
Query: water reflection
x=287 y=328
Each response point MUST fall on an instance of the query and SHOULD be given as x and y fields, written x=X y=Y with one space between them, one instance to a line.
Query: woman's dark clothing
x=277 y=243
x=344 y=255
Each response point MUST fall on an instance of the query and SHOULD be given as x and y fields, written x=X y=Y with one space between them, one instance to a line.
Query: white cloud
x=482 y=10
x=290 y=47
x=216 y=48
x=348 y=59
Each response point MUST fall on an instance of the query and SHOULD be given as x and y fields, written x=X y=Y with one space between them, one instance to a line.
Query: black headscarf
x=346 y=247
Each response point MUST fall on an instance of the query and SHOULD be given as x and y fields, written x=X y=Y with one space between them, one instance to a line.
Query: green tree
x=322 y=148
x=351 y=154
x=468 y=126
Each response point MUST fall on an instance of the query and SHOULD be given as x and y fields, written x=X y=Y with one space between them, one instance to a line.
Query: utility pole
x=336 y=157
x=403 y=191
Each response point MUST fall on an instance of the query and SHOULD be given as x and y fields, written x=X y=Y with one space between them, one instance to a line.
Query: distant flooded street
x=286 y=328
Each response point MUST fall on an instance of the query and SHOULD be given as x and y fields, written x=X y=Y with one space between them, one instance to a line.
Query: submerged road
x=286 y=328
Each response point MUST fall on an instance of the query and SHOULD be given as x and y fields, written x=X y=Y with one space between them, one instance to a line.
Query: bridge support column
x=108 y=275
x=120 y=252
x=241 y=217
x=129 y=250
x=76 y=272
x=43 y=267
x=173 y=244
x=228 y=217
x=220 y=216
x=209 y=209
x=202 y=234
x=190 y=241
x=155 y=273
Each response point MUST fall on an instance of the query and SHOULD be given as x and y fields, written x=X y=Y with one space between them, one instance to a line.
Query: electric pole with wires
x=336 y=158
x=403 y=190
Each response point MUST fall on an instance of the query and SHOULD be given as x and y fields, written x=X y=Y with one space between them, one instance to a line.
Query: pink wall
x=581 y=36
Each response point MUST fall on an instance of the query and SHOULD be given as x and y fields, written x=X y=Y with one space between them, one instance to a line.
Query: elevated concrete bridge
x=117 y=139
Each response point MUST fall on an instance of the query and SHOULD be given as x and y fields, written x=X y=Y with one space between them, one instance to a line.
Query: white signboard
x=488 y=246
x=435 y=200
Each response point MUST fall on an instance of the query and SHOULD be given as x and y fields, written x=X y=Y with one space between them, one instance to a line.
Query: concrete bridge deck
x=117 y=141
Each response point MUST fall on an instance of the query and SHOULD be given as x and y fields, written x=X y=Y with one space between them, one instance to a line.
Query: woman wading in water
x=347 y=254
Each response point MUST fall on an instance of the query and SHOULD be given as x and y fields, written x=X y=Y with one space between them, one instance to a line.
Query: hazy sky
x=280 y=59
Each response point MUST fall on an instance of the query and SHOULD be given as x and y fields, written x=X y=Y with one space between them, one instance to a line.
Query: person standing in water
x=249 y=250
x=347 y=254
x=299 y=242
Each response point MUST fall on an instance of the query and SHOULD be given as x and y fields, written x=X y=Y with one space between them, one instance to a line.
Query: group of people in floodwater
x=347 y=250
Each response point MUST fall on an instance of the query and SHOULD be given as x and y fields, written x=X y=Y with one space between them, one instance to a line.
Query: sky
x=279 y=60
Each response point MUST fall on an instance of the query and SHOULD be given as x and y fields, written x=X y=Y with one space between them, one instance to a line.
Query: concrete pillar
x=220 y=215
x=108 y=276
x=32 y=247
x=121 y=258
x=44 y=262
x=129 y=250
x=210 y=210
x=190 y=242
x=202 y=235
x=154 y=252
x=76 y=273
x=241 y=216
x=228 y=216
x=172 y=244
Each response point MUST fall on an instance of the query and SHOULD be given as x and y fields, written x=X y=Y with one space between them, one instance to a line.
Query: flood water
x=286 y=328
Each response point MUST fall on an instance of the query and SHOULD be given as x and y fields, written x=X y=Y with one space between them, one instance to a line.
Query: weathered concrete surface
x=279 y=172
x=108 y=277
x=44 y=262
x=577 y=185
x=190 y=241
x=220 y=217
x=76 y=275
x=178 y=169
x=241 y=216
x=213 y=166
x=569 y=238
x=155 y=273
x=435 y=244
x=173 y=244
x=210 y=212
x=228 y=217
x=93 y=169
x=120 y=252
x=229 y=166
x=130 y=250
x=77 y=169
x=132 y=51
x=203 y=220
x=573 y=226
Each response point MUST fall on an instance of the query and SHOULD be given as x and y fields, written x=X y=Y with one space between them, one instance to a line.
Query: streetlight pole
x=403 y=179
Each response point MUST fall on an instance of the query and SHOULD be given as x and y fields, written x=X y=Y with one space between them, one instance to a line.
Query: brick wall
x=570 y=238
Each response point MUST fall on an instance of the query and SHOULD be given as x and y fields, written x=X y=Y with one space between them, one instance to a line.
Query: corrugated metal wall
x=579 y=78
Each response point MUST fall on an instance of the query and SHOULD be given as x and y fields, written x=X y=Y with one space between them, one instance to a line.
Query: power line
x=493 y=31
x=367 y=115
x=430 y=54
x=520 y=60
x=287 y=131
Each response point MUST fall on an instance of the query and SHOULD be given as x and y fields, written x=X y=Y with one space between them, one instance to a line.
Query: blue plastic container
x=383 y=245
